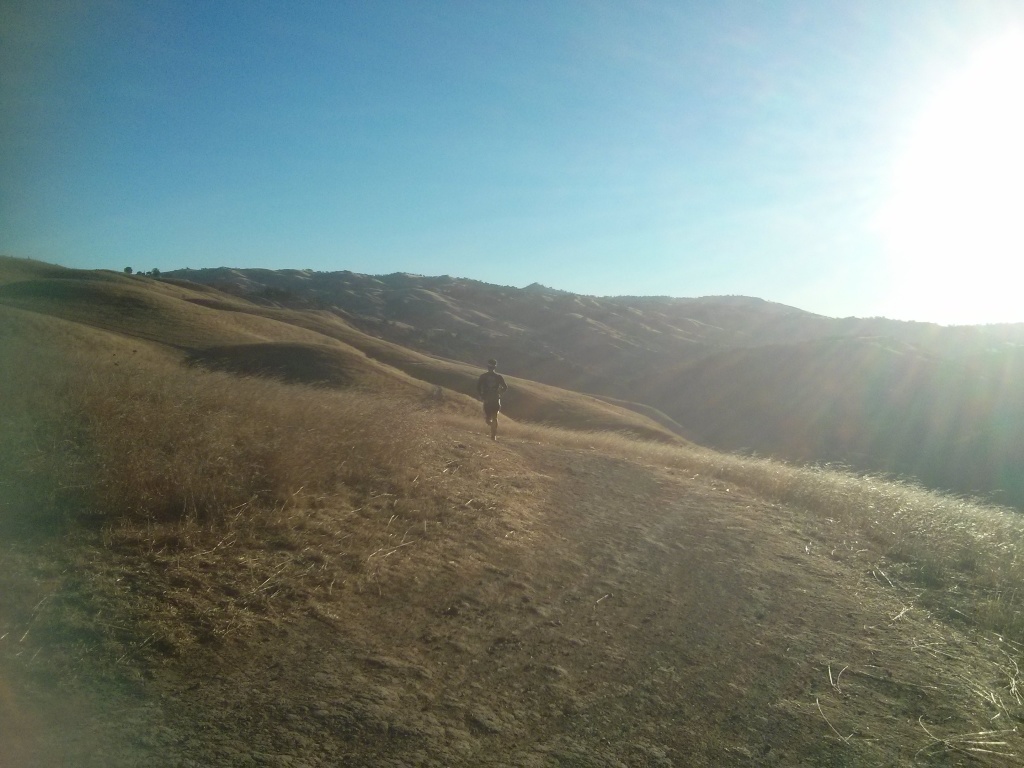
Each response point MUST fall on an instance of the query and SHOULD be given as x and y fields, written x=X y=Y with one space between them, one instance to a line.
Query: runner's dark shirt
x=489 y=386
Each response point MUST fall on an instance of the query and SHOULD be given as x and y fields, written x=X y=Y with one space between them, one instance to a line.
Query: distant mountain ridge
x=712 y=320
x=943 y=404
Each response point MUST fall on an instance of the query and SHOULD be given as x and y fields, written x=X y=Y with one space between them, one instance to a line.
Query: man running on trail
x=489 y=387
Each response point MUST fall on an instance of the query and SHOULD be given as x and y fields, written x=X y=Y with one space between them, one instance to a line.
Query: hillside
x=941 y=404
x=241 y=535
x=227 y=333
x=873 y=404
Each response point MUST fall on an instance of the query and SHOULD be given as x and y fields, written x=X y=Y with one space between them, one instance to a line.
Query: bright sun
x=954 y=223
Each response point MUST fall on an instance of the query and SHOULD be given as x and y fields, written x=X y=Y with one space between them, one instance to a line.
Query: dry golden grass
x=201 y=322
x=526 y=400
x=245 y=494
x=213 y=509
x=154 y=439
x=13 y=270
x=966 y=556
x=206 y=511
x=151 y=439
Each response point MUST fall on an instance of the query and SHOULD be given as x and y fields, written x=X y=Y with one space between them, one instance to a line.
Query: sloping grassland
x=224 y=545
x=940 y=404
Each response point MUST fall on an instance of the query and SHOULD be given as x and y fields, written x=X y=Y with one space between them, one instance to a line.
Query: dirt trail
x=609 y=614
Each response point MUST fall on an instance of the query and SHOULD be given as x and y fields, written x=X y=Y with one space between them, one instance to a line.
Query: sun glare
x=954 y=222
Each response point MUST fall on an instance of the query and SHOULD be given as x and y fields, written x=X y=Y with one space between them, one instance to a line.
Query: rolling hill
x=239 y=533
x=944 y=405
x=315 y=346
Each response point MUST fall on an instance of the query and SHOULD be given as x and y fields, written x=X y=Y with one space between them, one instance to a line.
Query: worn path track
x=601 y=613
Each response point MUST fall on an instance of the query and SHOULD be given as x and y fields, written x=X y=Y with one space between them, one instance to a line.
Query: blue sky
x=770 y=149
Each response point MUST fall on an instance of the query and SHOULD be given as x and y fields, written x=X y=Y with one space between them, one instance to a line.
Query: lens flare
x=954 y=222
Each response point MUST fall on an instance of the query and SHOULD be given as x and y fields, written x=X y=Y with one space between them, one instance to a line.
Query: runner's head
x=492 y=364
